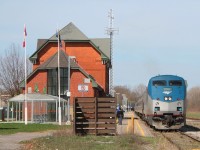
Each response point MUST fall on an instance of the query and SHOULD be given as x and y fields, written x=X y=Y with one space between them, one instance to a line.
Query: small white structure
x=41 y=108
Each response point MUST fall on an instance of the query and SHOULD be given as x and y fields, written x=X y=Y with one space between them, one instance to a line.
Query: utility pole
x=110 y=31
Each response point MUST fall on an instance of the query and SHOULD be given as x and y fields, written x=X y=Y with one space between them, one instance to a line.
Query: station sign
x=86 y=80
x=83 y=88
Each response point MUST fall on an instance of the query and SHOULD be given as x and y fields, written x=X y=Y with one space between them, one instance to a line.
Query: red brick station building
x=89 y=65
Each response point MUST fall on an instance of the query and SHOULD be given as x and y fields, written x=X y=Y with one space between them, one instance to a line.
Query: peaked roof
x=70 y=32
x=52 y=62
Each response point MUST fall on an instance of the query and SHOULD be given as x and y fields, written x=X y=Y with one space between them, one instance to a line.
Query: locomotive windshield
x=175 y=83
x=159 y=83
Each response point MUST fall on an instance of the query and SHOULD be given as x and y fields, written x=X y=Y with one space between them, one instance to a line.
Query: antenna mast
x=110 y=32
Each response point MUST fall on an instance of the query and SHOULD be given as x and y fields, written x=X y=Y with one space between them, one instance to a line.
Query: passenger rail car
x=163 y=104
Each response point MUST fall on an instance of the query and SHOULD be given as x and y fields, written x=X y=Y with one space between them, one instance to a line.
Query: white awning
x=35 y=97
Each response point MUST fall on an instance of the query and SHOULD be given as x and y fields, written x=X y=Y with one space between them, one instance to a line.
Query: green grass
x=195 y=115
x=63 y=139
x=11 y=128
x=73 y=142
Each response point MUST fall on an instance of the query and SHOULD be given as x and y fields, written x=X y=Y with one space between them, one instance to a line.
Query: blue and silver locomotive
x=163 y=104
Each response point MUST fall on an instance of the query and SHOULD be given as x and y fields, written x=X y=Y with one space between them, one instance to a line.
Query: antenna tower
x=110 y=31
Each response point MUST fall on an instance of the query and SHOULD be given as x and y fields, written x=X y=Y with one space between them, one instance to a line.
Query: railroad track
x=193 y=138
x=177 y=140
x=180 y=139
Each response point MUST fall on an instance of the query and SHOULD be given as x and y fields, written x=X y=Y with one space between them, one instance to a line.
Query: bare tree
x=193 y=99
x=12 y=70
x=140 y=91
x=131 y=95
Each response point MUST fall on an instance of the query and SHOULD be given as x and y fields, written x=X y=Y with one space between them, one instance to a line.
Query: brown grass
x=164 y=144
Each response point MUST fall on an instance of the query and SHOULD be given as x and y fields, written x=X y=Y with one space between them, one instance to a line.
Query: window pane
x=65 y=88
x=61 y=81
x=65 y=71
x=61 y=90
x=175 y=83
x=54 y=90
x=65 y=80
x=54 y=73
x=61 y=72
x=49 y=73
x=159 y=83
x=52 y=82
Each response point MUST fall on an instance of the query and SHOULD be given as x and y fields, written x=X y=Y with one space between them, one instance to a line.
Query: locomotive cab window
x=175 y=83
x=159 y=83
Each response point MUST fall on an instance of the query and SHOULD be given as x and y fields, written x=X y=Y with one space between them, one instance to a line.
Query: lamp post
x=68 y=92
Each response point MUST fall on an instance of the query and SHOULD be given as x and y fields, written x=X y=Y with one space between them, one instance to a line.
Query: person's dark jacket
x=120 y=113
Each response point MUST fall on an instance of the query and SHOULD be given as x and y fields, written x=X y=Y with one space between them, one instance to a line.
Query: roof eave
x=103 y=56
x=34 y=55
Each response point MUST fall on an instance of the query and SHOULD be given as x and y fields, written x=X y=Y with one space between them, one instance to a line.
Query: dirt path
x=11 y=142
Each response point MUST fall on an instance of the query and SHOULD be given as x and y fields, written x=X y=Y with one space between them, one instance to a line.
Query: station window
x=175 y=83
x=52 y=84
x=159 y=83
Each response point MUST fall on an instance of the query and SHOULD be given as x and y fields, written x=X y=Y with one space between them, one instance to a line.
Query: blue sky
x=155 y=37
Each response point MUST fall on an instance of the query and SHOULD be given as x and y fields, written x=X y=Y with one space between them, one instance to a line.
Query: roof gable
x=52 y=62
x=70 y=32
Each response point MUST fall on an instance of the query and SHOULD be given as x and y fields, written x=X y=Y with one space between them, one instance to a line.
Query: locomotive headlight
x=167 y=98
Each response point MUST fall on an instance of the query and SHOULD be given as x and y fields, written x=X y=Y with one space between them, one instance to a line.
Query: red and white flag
x=25 y=34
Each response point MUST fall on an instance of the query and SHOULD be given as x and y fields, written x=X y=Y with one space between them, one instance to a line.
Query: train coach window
x=175 y=83
x=159 y=83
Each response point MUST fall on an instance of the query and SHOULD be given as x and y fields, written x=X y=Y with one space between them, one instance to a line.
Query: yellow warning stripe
x=141 y=130
x=130 y=126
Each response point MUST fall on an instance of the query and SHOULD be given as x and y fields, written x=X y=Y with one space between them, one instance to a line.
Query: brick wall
x=89 y=59
x=86 y=56
x=39 y=79
x=78 y=78
x=49 y=50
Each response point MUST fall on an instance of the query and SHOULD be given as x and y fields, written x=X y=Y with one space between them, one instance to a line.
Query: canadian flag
x=25 y=34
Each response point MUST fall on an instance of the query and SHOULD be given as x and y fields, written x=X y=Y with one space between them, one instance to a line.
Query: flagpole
x=25 y=75
x=59 y=108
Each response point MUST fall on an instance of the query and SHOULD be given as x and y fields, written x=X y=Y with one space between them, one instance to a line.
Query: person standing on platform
x=120 y=115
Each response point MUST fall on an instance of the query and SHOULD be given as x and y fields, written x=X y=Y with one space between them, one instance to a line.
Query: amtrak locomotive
x=163 y=104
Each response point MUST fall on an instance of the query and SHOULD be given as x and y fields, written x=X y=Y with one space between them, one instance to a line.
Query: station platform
x=131 y=124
